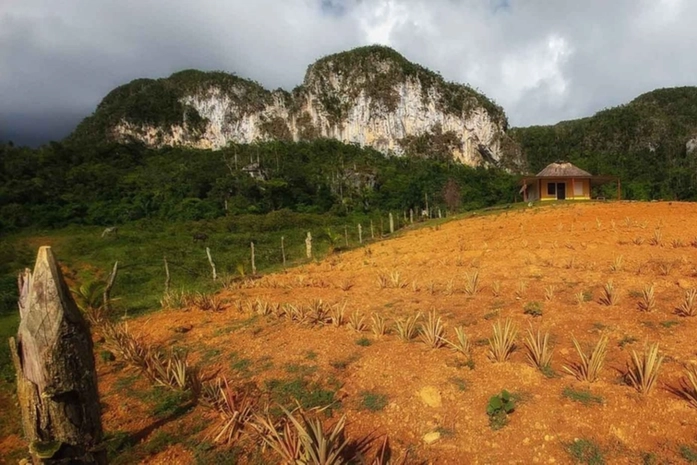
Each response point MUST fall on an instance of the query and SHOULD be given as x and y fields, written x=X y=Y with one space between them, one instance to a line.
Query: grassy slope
x=140 y=248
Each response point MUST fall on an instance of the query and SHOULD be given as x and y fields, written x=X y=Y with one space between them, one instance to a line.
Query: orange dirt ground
x=570 y=247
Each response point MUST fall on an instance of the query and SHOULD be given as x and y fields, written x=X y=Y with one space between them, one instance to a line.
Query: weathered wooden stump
x=56 y=377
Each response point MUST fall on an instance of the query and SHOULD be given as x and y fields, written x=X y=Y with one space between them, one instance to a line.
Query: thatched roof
x=563 y=169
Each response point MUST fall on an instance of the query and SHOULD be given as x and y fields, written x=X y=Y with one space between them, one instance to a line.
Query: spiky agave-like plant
x=688 y=385
x=318 y=313
x=406 y=328
x=396 y=280
x=502 y=344
x=336 y=314
x=648 y=300
x=131 y=349
x=432 y=332
x=304 y=439
x=688 y=307
x=549 y=293
x=609 y=295
x=282 y=438
x=236 y=410
x=472 y=283
x=643 y=371
x=378 y=326
x=462 y=343
x=589 y=367
x=539 y=353
x=357 y=322
x=496 y=288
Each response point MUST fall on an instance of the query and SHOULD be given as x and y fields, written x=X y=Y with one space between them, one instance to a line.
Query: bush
x=533 y=309
x=498 y=409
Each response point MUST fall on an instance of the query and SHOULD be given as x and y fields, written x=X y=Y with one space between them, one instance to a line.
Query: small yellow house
x=561 y=181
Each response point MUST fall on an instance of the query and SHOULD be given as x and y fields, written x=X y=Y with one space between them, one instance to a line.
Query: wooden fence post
x=210 y=260
x=308 y=245
x=360 y=233
x=346 y=235
x=372 y=230
x=167 y=277
x=411 y=215
x=391 y=223
x=254 y=265
x=56 y=377
x=283 y=251
x=107 y=289
x=439 y=214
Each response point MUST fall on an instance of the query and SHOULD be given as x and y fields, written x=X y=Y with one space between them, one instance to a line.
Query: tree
x=451 y=195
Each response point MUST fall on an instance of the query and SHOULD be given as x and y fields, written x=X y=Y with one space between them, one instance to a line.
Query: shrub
x=533 y=308
x=498 y=409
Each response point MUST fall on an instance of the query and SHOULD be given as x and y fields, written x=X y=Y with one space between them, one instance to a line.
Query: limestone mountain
x=650 y=143
x=371 y=96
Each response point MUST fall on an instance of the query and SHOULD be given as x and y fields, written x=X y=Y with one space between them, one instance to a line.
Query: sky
x=544 y=61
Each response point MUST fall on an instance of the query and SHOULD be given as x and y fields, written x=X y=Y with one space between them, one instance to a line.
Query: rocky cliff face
x=370 y=96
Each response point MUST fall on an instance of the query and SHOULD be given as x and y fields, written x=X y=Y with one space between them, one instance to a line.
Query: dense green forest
x=643 y=142
x=59 y=184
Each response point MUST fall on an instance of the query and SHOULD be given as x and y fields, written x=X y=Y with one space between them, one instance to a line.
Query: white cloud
x=542 y=61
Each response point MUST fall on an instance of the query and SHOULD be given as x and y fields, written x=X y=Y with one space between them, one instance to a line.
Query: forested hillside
x=650 y=143
x=59 y=184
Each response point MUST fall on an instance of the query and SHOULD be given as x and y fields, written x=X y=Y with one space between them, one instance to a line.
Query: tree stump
x=56 y=377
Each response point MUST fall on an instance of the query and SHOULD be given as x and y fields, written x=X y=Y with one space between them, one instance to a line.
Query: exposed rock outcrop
x=370 y=96
x=691 y=146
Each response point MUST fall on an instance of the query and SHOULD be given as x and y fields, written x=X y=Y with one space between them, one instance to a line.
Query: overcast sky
x=542 y=60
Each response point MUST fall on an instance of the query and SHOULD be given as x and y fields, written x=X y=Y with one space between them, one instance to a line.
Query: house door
x=561 y=191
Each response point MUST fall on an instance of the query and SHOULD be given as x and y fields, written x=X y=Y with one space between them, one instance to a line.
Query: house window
x=551 y=188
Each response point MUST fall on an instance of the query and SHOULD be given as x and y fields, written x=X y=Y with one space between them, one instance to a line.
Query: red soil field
x=546 y=255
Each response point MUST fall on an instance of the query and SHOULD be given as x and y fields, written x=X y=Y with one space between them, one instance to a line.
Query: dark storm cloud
x=543 y=61
x=60 y=62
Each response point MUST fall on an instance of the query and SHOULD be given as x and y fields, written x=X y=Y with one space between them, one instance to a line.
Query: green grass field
x=140 y=249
